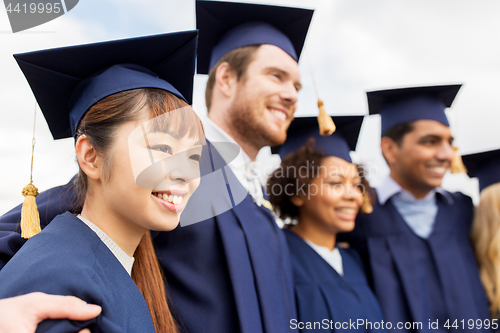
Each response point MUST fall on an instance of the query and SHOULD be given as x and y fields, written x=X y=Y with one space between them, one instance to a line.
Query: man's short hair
x=397 y=133
x=238 y=59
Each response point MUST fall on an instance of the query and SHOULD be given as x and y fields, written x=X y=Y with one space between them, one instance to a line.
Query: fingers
x=61 y=307
x=86 y=330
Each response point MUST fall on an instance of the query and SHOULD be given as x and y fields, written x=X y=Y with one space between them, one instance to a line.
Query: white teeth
x=279 y=114
x=438 y=169
x=176 y=200
x=347 y=211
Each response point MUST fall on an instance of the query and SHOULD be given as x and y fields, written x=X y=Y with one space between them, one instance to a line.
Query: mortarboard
x=67 y=81
x=225 y=26
x=338 y=144
x=485 y=166
x=398 y=106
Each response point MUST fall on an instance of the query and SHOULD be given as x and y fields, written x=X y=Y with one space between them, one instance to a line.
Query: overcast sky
x=352 y=45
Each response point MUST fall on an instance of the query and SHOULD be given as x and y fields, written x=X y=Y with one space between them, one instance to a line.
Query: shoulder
x=50 y=203
x=59 y=260
x=461 y=204
x=460 y=199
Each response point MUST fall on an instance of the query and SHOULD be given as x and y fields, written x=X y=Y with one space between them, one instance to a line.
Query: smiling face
x=157 y=170
x=266 y=97
x=421 y=161
x=333 y=200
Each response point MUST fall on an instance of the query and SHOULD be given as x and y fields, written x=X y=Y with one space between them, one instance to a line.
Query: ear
x=297 y=201
x=390 y=150
x=87 y=157
x=225 y=79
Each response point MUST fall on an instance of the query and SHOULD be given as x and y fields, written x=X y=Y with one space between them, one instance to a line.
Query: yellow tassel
x=457 y=165
x=30 y=218
x=367 y=207
x=267 y=204
x=326 y=124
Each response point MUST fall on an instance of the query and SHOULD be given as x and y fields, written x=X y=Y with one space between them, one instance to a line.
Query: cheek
x=359 y=200
x=421 y=155
x=121 y=170
x=330 y=197
x=193 y=185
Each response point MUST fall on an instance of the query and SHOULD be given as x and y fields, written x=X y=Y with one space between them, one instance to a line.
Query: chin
x=166 y=226
x=434 y=183
x=276 y=138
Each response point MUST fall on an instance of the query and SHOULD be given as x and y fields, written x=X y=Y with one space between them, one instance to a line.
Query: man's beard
x=249 y=122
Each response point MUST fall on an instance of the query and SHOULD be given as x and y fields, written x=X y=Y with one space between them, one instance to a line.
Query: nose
x=445 y=152
x=289 y=94
x=352 y=192
x=181 y=168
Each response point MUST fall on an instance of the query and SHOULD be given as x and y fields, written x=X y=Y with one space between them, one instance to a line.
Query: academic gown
x=68 y=258
x=418 y=279
x=324 y=296
x=228 y=273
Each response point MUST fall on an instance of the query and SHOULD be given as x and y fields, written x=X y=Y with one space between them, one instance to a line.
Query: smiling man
x=416 y=242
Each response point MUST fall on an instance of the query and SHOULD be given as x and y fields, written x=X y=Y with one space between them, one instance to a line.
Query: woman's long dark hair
x=100 y=124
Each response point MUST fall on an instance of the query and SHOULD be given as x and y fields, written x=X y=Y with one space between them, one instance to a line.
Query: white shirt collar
x=242 y=166
x=124 y=259
x=389 y=187
x=333 y=257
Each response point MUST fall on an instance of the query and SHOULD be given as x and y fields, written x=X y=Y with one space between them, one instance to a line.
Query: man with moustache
x=231 y=272
x=416 y=244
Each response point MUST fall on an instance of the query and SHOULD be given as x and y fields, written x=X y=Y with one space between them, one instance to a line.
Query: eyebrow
x=177 y=137
x=438 y=137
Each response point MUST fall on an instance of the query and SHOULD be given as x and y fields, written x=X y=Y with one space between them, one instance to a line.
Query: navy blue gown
x=416 y=279
x=325 y=297
x=229 y=273
x=68 y=258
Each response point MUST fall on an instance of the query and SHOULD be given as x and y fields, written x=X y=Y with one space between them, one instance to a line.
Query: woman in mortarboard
x=319 y=187
x=138 y=146
x=485 y=231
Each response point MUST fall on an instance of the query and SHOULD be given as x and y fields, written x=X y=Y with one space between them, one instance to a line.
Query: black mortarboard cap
x=339 y=144
x=67 y=81
x=398 y=106
x=225 y=26
x=485 y=166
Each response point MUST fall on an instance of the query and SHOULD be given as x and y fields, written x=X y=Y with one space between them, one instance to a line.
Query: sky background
x=353 y=46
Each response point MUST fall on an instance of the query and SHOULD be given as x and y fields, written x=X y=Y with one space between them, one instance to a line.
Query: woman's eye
x=163 y=148
x=195 y=157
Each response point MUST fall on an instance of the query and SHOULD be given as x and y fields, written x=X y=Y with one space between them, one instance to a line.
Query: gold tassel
x=457 y=165
x=326 y=124
x=367 y=207
x=267 y=204
x=30 y=219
